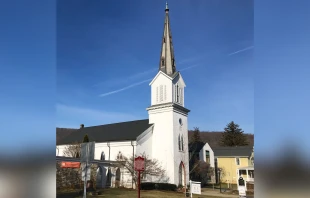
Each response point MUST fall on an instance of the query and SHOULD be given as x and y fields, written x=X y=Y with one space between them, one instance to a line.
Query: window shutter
x=161 y=93
x=165 y=93
x=181 y=96
x=156 y=94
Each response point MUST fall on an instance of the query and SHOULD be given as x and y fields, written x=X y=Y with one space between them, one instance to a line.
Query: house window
x=242 y=173
x=237 y=161
x=208 y=157
x=251 y=173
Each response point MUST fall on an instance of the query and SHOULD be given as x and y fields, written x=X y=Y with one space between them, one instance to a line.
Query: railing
x=249 y=179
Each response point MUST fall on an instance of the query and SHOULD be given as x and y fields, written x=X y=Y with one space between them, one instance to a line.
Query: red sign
x=70 y=164
x=139 y=163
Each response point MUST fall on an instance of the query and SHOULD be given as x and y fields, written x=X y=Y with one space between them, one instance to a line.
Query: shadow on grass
x=67 y=194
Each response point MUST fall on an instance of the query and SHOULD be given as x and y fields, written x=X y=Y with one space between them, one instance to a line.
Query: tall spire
x=167 y=61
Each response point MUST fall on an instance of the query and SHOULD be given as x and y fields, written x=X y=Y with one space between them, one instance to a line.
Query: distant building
x=164 y=136
x=233 y=160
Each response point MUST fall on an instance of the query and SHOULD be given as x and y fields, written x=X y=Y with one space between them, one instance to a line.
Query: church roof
x=240 y=151
x=105 y=133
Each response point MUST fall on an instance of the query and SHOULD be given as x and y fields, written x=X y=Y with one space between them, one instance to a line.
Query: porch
x=247 y=173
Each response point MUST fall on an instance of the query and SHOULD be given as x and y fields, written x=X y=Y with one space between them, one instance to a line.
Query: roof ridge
x=117 y=123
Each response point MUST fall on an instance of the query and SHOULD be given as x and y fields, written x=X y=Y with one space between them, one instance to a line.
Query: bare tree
x=152 y=167
x=73 y=150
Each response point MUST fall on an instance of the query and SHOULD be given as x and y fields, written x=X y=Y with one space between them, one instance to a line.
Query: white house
x=164 y=136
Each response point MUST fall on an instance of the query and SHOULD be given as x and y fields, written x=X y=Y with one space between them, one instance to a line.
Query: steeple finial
x=167 y=61
x=167 y=9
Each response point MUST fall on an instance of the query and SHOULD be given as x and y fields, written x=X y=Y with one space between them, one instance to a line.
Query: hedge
x=158 y=186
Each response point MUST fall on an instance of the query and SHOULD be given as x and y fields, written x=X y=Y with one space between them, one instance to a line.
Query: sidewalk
x=216 y=193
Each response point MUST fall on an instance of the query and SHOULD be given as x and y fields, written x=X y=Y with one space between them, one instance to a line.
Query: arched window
x=179 y=143
x=117 y=178
x=119 y=156
x=162 y=62
x=182 y=143
x=102 y=156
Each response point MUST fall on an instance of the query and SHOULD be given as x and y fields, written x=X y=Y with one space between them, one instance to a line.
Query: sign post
x=87 y=155
x=195 y=188
x=139 y=166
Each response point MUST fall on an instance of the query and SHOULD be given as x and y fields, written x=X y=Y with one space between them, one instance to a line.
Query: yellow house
x=228 y=161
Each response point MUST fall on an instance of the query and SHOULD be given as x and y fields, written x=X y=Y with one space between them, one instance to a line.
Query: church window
x=162 y=62
x=119 y=156
x=164 y=40
x=179 y=140
x=102 y=156
x=161 y=93
x=182 y=143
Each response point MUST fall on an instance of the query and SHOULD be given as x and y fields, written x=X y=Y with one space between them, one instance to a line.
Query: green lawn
x=129 y=193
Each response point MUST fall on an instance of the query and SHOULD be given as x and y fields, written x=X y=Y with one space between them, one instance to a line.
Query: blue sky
x=108 y=52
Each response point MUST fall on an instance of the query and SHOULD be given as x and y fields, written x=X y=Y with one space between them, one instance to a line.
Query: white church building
x=163 y=136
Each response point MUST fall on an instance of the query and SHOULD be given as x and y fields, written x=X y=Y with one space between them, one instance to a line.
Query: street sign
x=87 y=151
x=83 y=167
x=139 y=163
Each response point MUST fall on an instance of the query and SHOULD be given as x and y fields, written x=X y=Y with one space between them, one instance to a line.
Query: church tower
x=168 y=114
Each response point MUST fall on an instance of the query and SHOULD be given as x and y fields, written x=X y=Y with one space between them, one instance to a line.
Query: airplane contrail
x=123 y=89
x=144 y=81
x=245 y=49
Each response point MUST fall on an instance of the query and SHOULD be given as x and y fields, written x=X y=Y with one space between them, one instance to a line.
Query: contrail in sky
x=138 y=83
x=245 y=49
x=144 y=81
x=123 y=89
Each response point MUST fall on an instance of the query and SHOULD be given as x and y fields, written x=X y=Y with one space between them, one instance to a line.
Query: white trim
x=148 y=130
x=160 y=72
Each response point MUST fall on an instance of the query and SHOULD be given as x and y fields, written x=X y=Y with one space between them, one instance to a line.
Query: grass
x=128 y=193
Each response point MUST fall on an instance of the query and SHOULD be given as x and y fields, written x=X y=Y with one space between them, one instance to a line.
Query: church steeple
x=167 y=60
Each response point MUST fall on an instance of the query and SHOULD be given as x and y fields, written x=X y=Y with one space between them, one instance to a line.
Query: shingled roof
x=242 y=151
x=105 y=133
